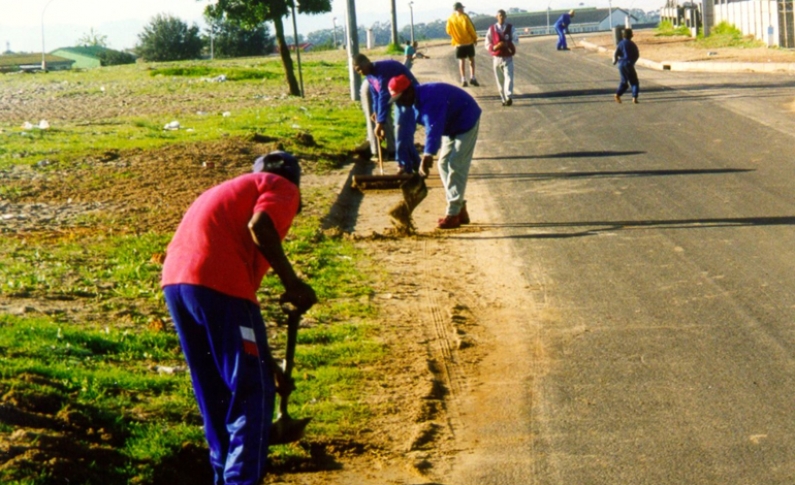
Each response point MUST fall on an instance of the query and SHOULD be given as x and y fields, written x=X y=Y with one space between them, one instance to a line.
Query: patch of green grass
x=207 y=71
x=666 y=29
x=96 y=366
x=727 y=35
x=102 y=267
x=251 y=100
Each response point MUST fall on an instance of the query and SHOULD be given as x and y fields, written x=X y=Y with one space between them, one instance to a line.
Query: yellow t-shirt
x=460 y=28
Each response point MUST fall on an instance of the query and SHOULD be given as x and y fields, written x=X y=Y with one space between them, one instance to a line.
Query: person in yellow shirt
x=462 y=31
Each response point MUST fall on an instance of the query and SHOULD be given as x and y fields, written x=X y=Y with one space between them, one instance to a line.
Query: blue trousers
x=561 y=38
x=226 y=348
x=629 y=77
x=407 y=156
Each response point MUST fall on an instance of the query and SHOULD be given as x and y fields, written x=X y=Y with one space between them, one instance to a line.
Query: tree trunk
x=287 y=61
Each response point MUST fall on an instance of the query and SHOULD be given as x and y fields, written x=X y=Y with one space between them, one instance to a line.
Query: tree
x=230 y=39
x=93 y=38
x=110 y=57
x=251 y=13
x=168 y=38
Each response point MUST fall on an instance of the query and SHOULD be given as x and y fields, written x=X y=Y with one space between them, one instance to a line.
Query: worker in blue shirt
x=626 y=55
x=378 y=75
x=562 y=28
x=451 y=118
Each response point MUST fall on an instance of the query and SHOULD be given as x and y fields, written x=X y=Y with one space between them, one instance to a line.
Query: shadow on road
x=612 y=226
x=601 y=153
x=606 y=174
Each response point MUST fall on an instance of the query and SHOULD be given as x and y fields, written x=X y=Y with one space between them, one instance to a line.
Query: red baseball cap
x=397 y=86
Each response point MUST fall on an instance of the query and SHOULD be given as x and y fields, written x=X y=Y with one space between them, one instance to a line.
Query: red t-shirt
x=213 y=246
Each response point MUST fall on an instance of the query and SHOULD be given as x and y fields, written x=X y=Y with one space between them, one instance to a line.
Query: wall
x=752 y=17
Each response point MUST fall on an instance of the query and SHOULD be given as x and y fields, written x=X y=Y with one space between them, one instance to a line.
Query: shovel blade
x=287 y=430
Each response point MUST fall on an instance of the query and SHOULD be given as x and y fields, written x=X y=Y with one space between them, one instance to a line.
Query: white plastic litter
x=227 y=114
x=27 y=125
x=44 y=125
x=174 y=125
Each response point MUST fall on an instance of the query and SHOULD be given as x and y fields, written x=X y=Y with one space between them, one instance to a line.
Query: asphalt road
x=658 y=241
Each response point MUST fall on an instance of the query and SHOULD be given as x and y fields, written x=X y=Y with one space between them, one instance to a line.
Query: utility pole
x=610 y=13
x=394 y=24
x=353 y=49
x=549 y=9
x=411 y=9
x=334 y=31
x=43 y=59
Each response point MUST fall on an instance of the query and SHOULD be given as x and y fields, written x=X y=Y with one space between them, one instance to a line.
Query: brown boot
x=449 y=222
x=463 y=216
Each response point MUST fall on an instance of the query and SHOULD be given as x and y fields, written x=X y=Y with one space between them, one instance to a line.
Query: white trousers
x=503 y=71
x=455 y=158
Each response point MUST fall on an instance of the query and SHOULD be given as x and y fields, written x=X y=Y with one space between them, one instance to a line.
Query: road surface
x=654 y=340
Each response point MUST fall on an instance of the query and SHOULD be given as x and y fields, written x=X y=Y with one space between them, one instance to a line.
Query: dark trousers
x=226 y=348
x=629 y=77
x=561 y=38
x=407 y=156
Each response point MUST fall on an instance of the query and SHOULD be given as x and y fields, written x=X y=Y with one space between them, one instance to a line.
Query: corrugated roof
x=28 y=59
x=86 y=50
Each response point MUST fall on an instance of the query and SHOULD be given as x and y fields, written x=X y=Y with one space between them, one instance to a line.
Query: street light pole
x=411 y=9
x=43 y=59
x=610 y=13
x=549 y=8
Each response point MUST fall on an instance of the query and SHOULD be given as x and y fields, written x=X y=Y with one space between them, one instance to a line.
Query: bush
x=666 y=29
x=727 y=35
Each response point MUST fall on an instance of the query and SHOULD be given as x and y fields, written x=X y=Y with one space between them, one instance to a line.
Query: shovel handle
x=293 y=321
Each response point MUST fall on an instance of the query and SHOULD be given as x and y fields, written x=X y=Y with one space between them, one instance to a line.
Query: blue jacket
x=563 y=22
x=383 y=71
x=444 y=110
x=626 y=53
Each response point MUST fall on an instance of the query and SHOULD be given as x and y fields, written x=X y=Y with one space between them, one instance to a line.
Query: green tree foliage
x=168 y=38
x=93 y=38
x=114 y=58
x=230 y=39
x=252 y=13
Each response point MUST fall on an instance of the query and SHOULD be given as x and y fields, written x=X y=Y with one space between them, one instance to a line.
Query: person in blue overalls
x=378 y=74
x=626 y=55
x=562 y=28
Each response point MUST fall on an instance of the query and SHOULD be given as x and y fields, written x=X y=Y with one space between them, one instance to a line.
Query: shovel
x=414 y=191
x=286 y=429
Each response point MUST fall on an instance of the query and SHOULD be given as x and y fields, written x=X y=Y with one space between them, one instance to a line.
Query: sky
x=66 y=21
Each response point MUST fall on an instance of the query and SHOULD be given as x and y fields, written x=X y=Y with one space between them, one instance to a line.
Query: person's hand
x=380 y=132
x=425 y=165
x=497 y=46
x=284 y=386
x=300 y=295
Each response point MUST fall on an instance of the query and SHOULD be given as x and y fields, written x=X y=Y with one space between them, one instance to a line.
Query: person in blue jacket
x=626 y=55
x=562 y=28
x=451 y=118
x=378 y=75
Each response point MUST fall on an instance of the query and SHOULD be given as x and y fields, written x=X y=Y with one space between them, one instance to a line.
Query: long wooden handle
x=293 y=321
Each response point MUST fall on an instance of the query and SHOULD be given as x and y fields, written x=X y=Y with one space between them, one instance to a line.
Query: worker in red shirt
x=228 y=239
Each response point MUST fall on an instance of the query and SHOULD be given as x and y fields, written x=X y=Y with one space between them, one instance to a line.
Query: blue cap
x=279 y=163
